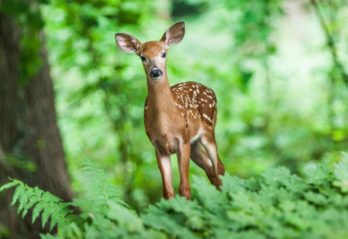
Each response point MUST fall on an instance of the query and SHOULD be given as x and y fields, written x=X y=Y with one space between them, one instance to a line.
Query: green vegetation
x=280 y=72
x=272 y=99
x=276 y=204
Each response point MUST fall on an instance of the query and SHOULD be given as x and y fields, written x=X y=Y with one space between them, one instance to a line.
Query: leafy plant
x=277 y=204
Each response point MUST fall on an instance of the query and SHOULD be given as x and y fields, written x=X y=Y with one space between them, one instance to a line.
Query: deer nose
x=155 y=73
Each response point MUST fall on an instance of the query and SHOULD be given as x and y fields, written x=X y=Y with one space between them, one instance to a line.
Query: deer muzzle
x=156 y=73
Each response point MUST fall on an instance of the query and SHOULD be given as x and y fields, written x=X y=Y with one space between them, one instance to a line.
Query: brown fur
x=178 y=119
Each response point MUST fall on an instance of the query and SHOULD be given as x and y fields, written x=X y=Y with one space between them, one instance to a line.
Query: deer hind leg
x=200 y=156
x=209 y=143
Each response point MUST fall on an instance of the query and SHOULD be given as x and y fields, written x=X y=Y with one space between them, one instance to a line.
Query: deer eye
x=142 y=58
x=163 y=55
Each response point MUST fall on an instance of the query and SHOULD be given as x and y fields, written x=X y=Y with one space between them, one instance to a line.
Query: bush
x=277 y=204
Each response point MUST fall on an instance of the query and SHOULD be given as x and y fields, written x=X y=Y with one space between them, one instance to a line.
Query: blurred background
x=68 y=95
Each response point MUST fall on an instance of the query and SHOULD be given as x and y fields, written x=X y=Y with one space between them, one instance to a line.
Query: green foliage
x=265 y=59
x=27 y=15
x=341 y=174
x=281 y=101
x=101 y=91
x=276 y=204
x=43 y=204
x=255 y=20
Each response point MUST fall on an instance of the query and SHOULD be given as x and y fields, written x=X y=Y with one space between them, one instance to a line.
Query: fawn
x=178 y=119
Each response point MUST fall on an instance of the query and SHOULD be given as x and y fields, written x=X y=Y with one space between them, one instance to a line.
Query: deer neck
x=159 y=93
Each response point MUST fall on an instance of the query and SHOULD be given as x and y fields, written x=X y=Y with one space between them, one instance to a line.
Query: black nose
x=155 y=73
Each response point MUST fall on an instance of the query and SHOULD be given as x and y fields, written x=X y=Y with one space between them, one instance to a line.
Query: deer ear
x=127 y=43
x=174 y=34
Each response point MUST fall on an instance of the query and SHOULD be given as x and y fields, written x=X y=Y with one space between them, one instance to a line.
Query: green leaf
x=317 y=174
x=341 y=173
x=11 y=184
x=17 y=193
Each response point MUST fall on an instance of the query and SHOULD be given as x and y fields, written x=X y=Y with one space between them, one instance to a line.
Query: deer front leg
x=184 y=163
x=163 y=162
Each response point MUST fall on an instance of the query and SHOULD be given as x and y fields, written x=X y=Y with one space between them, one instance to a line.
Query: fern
x=11 y=184
x=95 y=183
x=277 y=204
x=43 y=204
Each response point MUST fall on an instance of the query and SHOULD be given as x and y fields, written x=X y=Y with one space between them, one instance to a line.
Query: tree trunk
x=30 y=143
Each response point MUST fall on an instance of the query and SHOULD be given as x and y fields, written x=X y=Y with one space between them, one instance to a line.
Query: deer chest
x=163 y=130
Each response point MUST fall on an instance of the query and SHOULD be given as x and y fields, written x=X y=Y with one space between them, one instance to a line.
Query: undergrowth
x=276 y=204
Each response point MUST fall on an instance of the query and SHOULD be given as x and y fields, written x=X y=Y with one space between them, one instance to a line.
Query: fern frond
x=276 y=205
x=47 y=236
x=35 y=197
x=36 y=212
x=11 y=184
x=49 y=206
x=96 y=184
x=17 y=193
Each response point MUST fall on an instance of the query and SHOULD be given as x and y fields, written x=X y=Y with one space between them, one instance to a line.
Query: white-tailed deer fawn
x=178 y=119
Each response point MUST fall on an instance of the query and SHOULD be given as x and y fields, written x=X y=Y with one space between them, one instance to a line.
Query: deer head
x=153 y=53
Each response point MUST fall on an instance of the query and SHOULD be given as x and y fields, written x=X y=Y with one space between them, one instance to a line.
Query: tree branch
x=329 y=41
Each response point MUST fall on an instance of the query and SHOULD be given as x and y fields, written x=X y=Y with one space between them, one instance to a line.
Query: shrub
x=277 y=204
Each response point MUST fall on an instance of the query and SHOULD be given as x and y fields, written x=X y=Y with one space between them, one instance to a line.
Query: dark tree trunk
x=28 y=129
